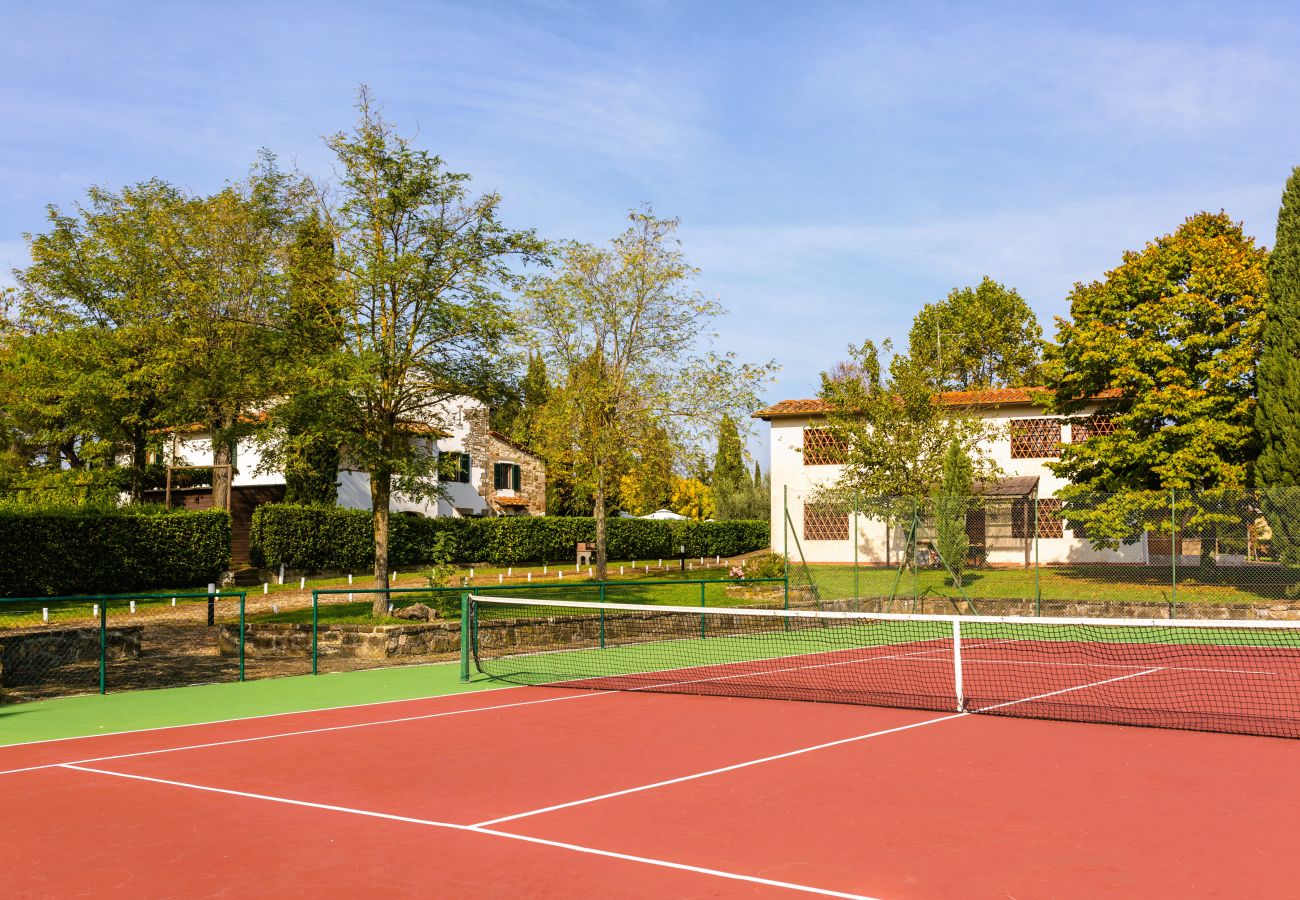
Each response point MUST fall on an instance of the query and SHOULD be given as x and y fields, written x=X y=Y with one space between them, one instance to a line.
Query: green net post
x=103 y=644
x=1173 y=553
x=602 y=615
x=242 y=598
x=703 y=626
x=464 y=636
x=315 y=632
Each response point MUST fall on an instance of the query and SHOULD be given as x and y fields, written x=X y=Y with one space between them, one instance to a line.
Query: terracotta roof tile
x=994 y=397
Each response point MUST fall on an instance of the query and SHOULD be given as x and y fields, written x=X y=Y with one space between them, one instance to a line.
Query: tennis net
x=1228 y=676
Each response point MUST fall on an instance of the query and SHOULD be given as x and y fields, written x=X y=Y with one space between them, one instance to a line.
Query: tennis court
x=681 y=767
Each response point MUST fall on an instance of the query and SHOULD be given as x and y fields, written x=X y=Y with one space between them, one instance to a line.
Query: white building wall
x=793 y=482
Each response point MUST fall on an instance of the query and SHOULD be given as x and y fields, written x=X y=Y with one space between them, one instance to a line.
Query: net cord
x=1273 y=624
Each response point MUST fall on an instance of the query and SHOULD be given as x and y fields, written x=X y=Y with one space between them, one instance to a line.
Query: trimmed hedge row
x=109 y=551
x=314 y=539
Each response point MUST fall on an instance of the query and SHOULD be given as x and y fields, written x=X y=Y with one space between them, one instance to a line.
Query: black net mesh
x=1221 y=676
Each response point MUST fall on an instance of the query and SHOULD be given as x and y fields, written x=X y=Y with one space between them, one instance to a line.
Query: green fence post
x=243 y=597
x=857 y=601
x=785 y=543
x=315 y=632
x=703 y=624
x=602 y=615
x=915 y=550
x=103 y=644
x=1173 y=553
x=1038 y=588
x=464 y=636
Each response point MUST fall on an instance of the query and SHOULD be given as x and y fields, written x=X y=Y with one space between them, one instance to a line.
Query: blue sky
x=835 y=165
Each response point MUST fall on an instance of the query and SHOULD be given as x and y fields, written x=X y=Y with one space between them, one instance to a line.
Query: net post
x=464 y=635
x=242 y=597
x=1173 y=552
x=956 y=666
x=602 y=615
x=315 y=632
x=103 y=644
x=785 y=548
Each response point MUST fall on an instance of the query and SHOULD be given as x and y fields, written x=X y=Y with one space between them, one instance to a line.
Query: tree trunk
x=139 y=460
x=601 y=559
x=381 y=489
x=222 y=474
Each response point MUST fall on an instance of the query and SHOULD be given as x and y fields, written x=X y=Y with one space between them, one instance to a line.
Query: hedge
x=109 y=551
x=315 y=539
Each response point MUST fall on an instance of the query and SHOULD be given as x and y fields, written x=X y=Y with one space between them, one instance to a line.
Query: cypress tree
x=951 y=502
x=1277 y=415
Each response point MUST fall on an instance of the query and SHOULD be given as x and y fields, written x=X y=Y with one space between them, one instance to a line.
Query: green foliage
x=729 y=461
x=1172 y=335
x=94 y=550
x=892 y=431
x=749 y=498
x=951 y=501
x=765 y=565
x=321 y=539
x=1277 y=417
x=626 y=336
x=980 y=337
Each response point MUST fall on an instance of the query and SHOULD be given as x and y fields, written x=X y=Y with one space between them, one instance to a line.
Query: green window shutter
x=464 y=469
x=498 y=476
x=514 y=477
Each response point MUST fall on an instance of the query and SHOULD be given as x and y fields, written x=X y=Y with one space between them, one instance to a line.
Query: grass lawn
x=1226 y=585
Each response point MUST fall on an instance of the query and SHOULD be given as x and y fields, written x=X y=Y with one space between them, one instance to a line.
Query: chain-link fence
x=1008 y=551
x=54 y=646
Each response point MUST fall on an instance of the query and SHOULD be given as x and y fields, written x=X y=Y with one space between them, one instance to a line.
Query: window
x=822 y=447
x=1035 y=438
x=1050 y=524
x=454 y=467
x=1082 y=429
x=825 y=523
x=506 y=476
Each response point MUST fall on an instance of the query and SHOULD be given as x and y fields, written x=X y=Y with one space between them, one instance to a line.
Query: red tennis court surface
x=545 y=792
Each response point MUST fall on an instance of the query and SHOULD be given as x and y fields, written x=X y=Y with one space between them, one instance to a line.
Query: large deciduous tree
x=1172 y=336
x=627 y=336
x=1277 y=417
x=980 y=337
x=421 y=266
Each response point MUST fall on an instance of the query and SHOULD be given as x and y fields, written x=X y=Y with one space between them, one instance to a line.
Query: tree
x=1277 y=418
x=691 y=498
x=628 y=339
x=225 y=265
x=649 y=482
x=735 y=494
x=729 y=460
x=101 y=356
x=421 y=266
x=977 y=338
x=1170 y=337
x=892 y=432
x=951 y=501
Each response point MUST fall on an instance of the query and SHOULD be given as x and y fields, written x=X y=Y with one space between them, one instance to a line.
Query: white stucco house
x=1024 y=438
x=490 y=475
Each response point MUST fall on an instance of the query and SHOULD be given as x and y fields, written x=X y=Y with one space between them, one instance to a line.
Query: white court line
x=754 y=762
x=291 y=712
x=475 y=829
x=321 y=730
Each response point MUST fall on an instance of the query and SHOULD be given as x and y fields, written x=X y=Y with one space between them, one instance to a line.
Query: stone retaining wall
x=26 y=657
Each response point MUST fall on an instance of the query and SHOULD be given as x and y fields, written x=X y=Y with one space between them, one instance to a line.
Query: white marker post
x=173 y=601
x=559 y=573
x=266 y=587
x=530 y=577
x=511 y=571
x=281 y=573
x=132 y=607
x=500 y=578
x=95 y=611
x=302 y=583
x=349 y=579
x=45 y=614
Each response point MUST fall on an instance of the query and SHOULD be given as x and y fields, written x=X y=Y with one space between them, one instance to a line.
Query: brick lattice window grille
x=1082 y=429
x=1050 y=524
x=825 y=523
x=1035 y=438
x=822 y=448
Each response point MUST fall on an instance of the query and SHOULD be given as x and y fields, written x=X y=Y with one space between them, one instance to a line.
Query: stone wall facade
x=530 y=499
x=27 y=657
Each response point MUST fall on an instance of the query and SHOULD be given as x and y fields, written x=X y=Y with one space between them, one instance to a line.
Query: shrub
x=765 y=565
x=97 y=550
x=311 y=538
